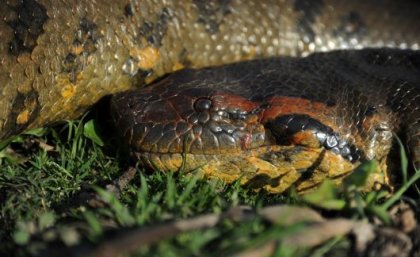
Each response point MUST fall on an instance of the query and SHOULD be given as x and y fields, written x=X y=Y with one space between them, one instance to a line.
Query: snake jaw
x=223 y=135
x=230 y=137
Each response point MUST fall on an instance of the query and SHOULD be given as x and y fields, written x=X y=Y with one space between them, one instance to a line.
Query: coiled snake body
x=268 y=122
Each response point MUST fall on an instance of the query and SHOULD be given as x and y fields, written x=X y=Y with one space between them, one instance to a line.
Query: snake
x=274 y=93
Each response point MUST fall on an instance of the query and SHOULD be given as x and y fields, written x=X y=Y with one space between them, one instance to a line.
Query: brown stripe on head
x=292 y=105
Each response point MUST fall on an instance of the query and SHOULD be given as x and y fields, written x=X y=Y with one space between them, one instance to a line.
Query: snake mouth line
x=300 y=157
x=285 y=131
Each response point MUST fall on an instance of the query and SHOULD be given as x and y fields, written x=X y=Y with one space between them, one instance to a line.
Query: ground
x=59 y=193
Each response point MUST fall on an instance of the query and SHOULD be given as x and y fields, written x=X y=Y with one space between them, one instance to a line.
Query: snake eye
x=202 y=104
x=371 y=110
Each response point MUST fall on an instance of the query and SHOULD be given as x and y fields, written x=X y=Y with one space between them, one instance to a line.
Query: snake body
x=59 y=57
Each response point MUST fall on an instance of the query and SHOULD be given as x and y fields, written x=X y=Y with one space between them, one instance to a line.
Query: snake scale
x=323 y=113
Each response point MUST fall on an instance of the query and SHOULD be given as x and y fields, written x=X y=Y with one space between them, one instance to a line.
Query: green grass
x=43 y=173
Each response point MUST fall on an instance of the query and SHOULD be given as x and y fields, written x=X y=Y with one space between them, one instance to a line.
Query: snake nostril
x=202 y=104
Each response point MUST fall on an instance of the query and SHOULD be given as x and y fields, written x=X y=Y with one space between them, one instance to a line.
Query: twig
x=116 y=188
x=132 y=240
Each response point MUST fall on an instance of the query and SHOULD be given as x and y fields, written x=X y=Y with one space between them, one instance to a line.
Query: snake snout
x=187 y=121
